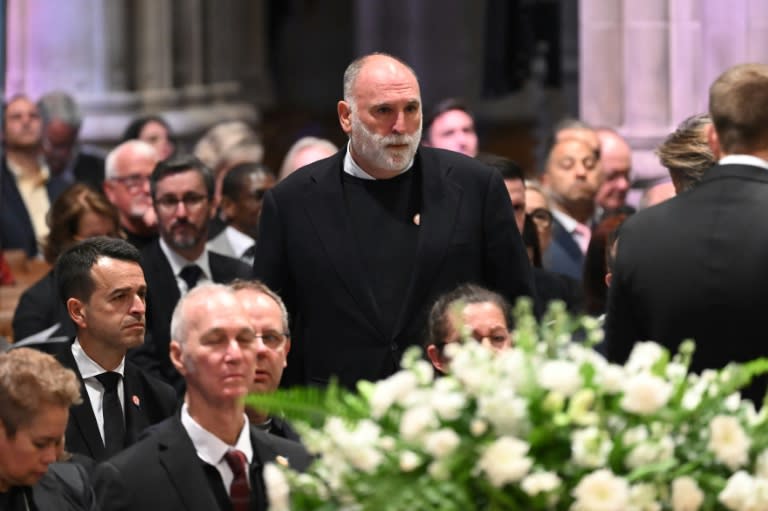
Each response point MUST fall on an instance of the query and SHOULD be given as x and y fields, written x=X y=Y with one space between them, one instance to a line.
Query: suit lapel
x=566 y=241
x=179 y=459
x=327 y=211
x=82 y=421
x=135 y=416
x=440 y=205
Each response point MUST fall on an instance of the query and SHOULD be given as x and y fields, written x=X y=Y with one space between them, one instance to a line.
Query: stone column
x=153 y=52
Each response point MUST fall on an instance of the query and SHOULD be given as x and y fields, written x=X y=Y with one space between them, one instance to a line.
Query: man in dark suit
x=694 y=266
x=182 y=194
x=67 y=160
x=208 y=456
x=571 y=177
x=102 y=284
x=361 y=243
x=26 y=190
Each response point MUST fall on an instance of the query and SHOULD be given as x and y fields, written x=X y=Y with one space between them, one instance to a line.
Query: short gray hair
x=260 y=287
x=353 y=70
x=58 y=105
x=139 y=146
x=180 y=321
x=303 y=143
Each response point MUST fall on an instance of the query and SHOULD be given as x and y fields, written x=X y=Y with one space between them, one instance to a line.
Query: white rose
x=409 y=461
x=449 y=405
x=601 y=491
x=728 y=441
x=278 y=490
x=560 y=376
x=478 y=427
x=590 y=447
x=540 y=482
x=643 y=356
x=761 y=465
x=507 y=411
x=391 y=390
x=416 y=421
x=504 y=461
x=653 y=451
x=643 y=497
x=611 y=378
x=737 y=491
x=441 y=443
x=645 y=393
x=686 y=494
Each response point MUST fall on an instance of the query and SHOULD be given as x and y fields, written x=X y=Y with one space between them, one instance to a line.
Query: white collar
x=88 y=367
x=178 y=262
x=353 y=169
x=568 y=222
x=239 y=241
x=210 y=448
x=743 y=159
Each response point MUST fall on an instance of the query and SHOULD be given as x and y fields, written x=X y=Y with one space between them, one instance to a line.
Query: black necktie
x=114 y=426
x=239 y=492
x=191 y=274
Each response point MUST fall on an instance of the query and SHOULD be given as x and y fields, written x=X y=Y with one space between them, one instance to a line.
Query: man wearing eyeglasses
x=269 y=319
x=242 y=192
x=126 y=185
x=182 y=196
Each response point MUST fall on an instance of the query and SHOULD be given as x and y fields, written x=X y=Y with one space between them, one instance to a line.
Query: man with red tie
x=208 y=456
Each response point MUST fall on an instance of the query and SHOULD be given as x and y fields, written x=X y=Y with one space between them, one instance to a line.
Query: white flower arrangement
x=546 y=425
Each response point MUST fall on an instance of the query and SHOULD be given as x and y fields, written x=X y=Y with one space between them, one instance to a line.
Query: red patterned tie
x=239 y=492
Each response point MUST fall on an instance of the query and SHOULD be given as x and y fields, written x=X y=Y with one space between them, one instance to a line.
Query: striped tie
x=239 y=492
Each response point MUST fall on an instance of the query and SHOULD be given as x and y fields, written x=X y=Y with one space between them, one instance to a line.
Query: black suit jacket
x=162 y=296
x=695 y=267
x=64 y=487
x=40 y=307
x=163 y=471
x=16 y=231
x=147 y=401
x=307 y=253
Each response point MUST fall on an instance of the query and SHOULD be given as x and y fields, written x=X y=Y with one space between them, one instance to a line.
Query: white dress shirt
x=211 y=449
x=89 y=369
x=178 y=263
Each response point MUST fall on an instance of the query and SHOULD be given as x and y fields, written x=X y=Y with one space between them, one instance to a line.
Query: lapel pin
x=281 y=460
x=417 y=219
x=135 y=400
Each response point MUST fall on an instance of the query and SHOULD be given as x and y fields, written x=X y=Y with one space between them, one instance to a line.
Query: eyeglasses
x=496 y=338
x=541 y=217
x=132 y=182
x=272 y=340
x=170 y=203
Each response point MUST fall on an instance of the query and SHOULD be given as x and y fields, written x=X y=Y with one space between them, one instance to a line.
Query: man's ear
x=227 y=207
x=76 y=310
x=344 y=110
x=286 y=350
x=714 y=142
x=177 y=354
x=436 y=358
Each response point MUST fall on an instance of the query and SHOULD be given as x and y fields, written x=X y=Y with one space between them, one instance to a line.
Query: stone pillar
x=120 y=58
x=153 y=52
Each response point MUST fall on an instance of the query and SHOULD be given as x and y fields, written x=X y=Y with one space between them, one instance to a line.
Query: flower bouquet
x=546 y=425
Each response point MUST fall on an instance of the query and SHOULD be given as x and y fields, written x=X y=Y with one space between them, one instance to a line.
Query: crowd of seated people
x=181 y=281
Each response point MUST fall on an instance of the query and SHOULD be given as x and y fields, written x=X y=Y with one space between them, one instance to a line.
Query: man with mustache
x=360 y=244
x=102 y=285
x=182 y=194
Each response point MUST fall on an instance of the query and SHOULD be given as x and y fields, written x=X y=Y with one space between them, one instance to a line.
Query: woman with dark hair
x=36 y=393
x=79 y=213
x=154 y=130
x=468 y=311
